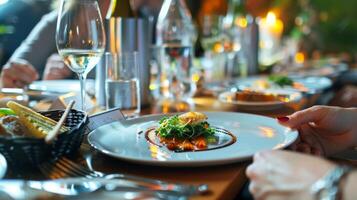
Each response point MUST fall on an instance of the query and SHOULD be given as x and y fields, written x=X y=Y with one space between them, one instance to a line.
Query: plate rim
x=183 y=163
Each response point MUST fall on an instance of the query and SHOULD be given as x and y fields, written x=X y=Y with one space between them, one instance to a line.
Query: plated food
x=20 y=121
x=268 y=99
x=255 y=96
x=126 y=140
x=276 y=82
x=186 y=132
x=310 y=84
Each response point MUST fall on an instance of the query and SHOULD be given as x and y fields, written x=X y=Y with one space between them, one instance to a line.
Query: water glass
x=122 y=83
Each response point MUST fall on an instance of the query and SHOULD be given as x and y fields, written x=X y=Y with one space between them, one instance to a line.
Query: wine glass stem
x=82 y=79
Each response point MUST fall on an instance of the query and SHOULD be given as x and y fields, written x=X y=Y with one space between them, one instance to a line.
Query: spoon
x=55 y=131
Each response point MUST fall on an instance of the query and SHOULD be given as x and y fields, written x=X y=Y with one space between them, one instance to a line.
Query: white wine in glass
x=80 y=37
x=81 y=61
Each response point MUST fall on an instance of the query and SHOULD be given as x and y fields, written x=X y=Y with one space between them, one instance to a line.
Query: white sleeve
x=40 y=43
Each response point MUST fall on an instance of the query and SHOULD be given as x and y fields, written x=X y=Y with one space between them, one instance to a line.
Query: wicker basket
x=22 y=151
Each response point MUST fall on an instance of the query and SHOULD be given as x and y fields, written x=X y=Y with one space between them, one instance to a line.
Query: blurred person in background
x=17 y=18
x=37 y=56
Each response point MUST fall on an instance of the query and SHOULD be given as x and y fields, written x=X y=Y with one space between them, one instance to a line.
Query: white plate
x=313 y=84
x=229 y=98
x=60 y=86
x=126 y=140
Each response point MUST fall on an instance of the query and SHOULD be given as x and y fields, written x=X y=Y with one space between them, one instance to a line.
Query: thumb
x=313 y=114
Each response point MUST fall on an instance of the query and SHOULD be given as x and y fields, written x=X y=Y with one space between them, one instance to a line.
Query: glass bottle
x=175 y=36
x=120 y=8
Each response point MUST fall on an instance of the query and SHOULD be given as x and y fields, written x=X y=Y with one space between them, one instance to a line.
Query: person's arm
x=288 y=175
x=40 y=44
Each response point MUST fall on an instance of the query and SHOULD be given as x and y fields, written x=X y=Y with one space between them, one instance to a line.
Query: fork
x=63 y=168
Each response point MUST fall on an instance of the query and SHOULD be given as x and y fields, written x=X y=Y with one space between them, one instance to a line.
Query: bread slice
x=37 y=124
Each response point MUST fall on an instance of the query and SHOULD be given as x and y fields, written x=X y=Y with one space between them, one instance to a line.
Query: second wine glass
x=80 y=37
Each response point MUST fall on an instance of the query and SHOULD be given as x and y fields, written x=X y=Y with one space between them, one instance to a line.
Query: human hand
x=17 y=74
x=323 y=130
x=56 y=69
x=285 y=175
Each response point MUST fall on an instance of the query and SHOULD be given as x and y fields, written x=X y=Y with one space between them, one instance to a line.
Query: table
x=225 y=182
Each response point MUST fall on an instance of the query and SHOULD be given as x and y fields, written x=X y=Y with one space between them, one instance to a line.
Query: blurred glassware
x=270 y=32
x=159 y=82
x=235 y=24
x=80 y=37
x=213 y=40
x=175 y=36
x=212 y=36
x=123 y=83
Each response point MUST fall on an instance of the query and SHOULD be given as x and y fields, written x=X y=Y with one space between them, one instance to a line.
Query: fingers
x=313 y=114
x=285 y=175
x=56 y=69
x=260 y=167
x=260 y=185
x=18 y=74
x=9 y=82
x=56 y=73
x=29 y=71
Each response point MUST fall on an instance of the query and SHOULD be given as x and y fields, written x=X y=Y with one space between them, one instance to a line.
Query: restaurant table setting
x=118 y=143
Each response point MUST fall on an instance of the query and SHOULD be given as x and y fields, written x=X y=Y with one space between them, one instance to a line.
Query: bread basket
x=20 y=151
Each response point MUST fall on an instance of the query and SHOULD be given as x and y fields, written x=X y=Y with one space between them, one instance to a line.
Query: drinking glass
x=80 y=37
x=212 y=38
x=122 y=82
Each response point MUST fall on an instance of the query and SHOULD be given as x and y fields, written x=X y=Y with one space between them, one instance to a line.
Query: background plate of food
x=191 y=139
x=312 y=84
x=269 y=99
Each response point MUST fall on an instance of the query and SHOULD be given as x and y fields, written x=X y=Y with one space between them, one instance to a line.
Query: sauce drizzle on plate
x=223 y=137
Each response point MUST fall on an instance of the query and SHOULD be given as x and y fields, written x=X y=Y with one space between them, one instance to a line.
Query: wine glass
x=80 y=37
x=212 y=34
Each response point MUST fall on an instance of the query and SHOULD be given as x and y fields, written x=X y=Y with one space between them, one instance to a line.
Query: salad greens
x=172 y=127
x=281 y=80
x=6 y=111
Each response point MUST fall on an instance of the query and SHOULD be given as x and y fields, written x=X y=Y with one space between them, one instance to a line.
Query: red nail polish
x=283 y=119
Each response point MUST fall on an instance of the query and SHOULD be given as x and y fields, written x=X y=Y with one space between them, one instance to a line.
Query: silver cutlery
x=81 y=187
x=64 y=168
